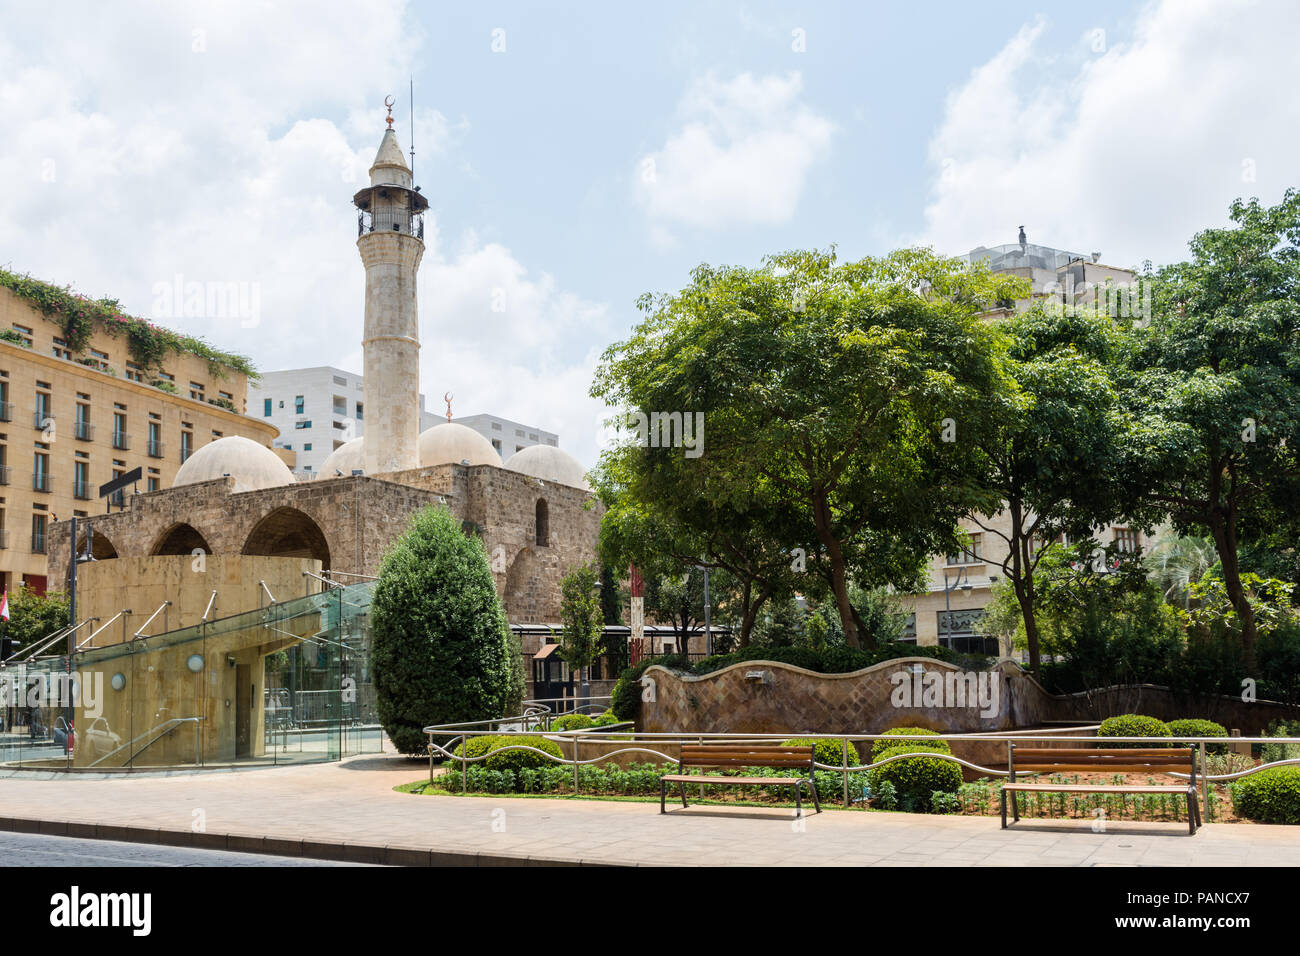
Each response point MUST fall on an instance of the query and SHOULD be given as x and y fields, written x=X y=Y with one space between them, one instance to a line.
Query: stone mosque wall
x=348 y=524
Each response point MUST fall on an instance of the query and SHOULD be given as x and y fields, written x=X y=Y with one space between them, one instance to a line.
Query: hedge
x=499 y=759
x=572 y=722
x=1133 y=725
x=826 y=751
x=1194 y=727
x=915 y=780
x=1270 y=796
x=880 y=746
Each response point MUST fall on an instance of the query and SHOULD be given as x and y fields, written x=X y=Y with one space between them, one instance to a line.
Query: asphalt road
x=31 y=849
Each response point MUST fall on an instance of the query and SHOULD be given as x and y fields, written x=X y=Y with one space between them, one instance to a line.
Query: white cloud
x=137 y=149
x=1128 y=151
x=740 y=157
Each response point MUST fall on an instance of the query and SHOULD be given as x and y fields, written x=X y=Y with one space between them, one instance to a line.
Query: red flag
x=4 y=605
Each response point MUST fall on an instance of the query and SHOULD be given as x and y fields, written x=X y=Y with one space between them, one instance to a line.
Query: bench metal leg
x=682 y=788
x=663 y=795
x=1193 y=813
x=1015 y=808
x=1004 y=809
x=798 y=798
x=816 y=799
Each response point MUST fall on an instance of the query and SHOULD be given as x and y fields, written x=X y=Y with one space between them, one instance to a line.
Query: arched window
x=543 y=525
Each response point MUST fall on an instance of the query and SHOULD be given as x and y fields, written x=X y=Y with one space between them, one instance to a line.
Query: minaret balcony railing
x=405 y=223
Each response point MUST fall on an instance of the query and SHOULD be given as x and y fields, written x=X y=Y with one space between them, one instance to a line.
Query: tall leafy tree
x=1048 y=463
x=581 y=616
x=828 y=390
x=1214 y=390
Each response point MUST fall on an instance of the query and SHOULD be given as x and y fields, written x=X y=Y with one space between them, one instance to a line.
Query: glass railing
x=289 y=683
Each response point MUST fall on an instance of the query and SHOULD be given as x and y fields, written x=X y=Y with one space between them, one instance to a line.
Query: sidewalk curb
x=391 y=855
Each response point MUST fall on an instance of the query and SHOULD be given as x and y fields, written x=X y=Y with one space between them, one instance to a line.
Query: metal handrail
x=161 y=607
x=164 y=724
x=208 y=609
x=464 y=731
x=267 y=590
x=53 y=637
x=101 y=628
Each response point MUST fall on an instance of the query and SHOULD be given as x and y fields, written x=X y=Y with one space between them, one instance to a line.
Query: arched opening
x=180 y=538
x=101 y=549
x=288 y=533
x=543 y=524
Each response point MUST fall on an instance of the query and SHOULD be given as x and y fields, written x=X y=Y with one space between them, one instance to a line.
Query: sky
x=576 y=156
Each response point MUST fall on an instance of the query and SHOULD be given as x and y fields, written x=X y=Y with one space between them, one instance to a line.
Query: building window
x=6 y=407
x=153 y=483
x=1127 y=540
x=196 y=391
x=120 y=438
x=81 y=480
x=305 y=423
x=266 y=408
x=543 y=524
x=496 y=443
x=41 y=472
x=61 y=349
x=307 y=447
x=298 y=405
x=25 y=332
x=340 y=405
x=155 y=440
x=43 y=418
x=973 y=553
x=134 y=372
x=959 y=630
x=909 y=631
x=187 y=445
x=340 y=381
x=361 y=412
x=38 y=533
x=82 y=428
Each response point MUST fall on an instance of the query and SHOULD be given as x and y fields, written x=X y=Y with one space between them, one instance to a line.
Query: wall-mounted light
x=194 y=663
x=118 y=681
x=757 y=677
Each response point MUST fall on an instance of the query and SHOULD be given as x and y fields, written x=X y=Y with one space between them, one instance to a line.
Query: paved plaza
x=349 y=811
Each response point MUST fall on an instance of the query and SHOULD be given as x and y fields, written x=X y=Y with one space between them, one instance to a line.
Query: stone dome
x=452 y=444
x=549 y=464
x=347 y=458
x=251 y=465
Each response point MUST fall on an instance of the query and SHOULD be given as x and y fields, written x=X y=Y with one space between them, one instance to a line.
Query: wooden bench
x=735 y=756
x=1102 y=760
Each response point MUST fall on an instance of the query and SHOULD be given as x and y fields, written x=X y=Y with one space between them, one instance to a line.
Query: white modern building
x=316 y=410
x=508 y=437
x=319 y=409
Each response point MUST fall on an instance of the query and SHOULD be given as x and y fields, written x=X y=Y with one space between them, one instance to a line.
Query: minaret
x=390 y=237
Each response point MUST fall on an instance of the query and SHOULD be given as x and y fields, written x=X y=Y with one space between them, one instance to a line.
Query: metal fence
x=645 y=743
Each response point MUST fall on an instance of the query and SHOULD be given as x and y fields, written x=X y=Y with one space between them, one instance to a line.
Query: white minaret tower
x=390 y=237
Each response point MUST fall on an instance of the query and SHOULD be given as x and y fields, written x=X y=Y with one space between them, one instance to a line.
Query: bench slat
x=749 y=781
x=1172 y=753
x=1095 y=768
x=1085 y=788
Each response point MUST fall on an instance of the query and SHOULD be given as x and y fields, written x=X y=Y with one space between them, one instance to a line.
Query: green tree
x=1048 y=464
x=828 y=391
x=1214 y=390
x=442 y=648
x=581 y=616
x=32 y=617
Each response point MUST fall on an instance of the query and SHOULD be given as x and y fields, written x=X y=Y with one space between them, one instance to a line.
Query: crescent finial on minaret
x=388 y=102
x=447 y=398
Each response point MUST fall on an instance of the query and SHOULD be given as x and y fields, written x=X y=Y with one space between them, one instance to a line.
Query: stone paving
x=349 y=811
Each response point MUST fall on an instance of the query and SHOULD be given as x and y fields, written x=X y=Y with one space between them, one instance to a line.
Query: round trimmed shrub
x=880 y=746
x=478 y=747
x=572 y=722
x=915 y=780
x=1133 y=725
x=826 y=751
x=1193 y=727
x=605 y=719
x=1270 y=796
x=521 y=759
x=441 y=646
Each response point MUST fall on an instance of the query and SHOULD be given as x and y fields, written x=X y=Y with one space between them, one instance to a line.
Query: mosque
x=236 y=530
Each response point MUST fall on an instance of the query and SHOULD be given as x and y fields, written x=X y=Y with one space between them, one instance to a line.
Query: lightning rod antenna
x=412 y=102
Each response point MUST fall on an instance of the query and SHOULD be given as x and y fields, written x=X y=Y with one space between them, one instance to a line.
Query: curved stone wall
x=770 y=697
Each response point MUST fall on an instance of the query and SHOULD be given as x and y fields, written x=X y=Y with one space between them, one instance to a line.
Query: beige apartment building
x=72 y=422
x=960 y=585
